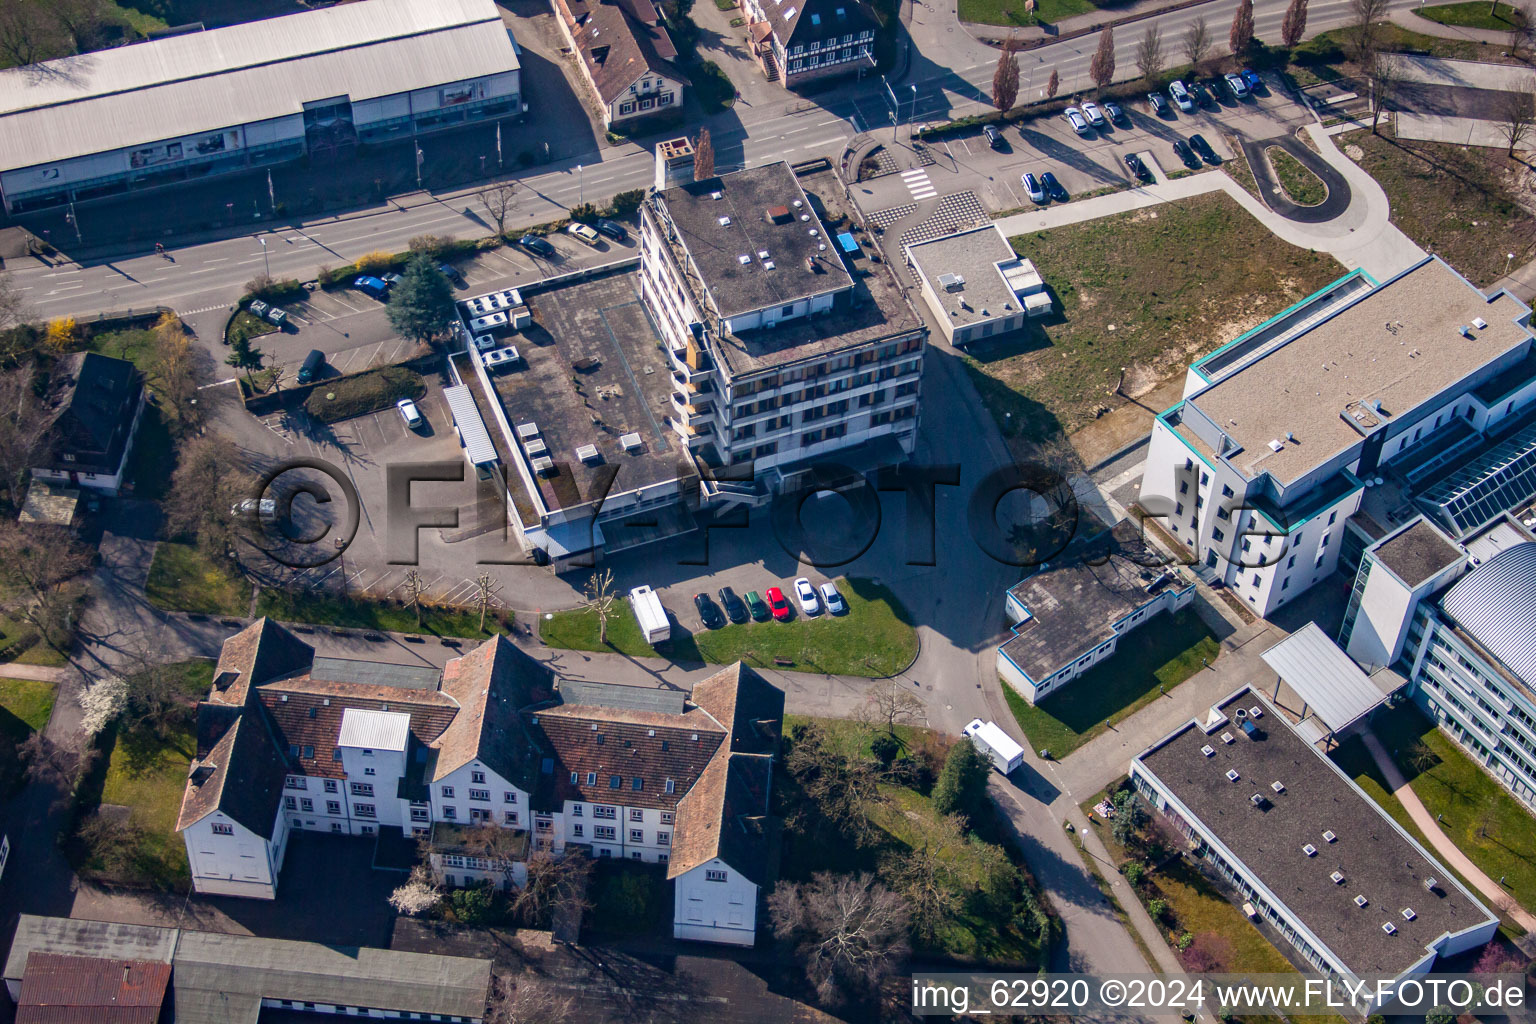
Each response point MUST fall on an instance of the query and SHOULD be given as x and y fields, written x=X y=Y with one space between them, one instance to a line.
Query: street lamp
x=911 y=118
x=266 y=265
x=1509 y=258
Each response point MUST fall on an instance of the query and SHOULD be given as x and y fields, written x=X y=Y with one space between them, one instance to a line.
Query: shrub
x=268 y=289
x=1158 y=909
x=377 y=262
x=433 y=245
x=885 y=748
x=337 y=277
x=962 y=785
x=584 y=212
x=712 y=86
x=1134 y=872
x=364 y=393
x=61 y=333
x=475 y=905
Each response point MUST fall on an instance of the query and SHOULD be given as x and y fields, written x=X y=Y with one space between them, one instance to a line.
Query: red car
x=778 y=604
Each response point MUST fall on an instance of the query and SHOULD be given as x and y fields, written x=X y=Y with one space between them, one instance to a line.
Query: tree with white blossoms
x=102 y=701
x=418 y=895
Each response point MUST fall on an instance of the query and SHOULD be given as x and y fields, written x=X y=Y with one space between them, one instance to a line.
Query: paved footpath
x=1448 y=851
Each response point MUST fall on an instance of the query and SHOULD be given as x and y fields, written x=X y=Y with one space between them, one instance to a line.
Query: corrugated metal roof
x=62 y=989
x=205 y=81
x=86 y=938
x=375 y=730
x=477 y=442
x=1324 y=676
x=1496 y=603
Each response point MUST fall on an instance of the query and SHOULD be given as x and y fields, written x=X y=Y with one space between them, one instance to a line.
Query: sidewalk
x=45 y=673
x=1406 y=17
x=1447 y=850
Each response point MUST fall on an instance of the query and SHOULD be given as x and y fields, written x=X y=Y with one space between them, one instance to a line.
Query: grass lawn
x=137 y=345
x=1304 y=187
x=1496 y=18
x=183 y=578
x=25 y=705
x=1454 y=201
x=21 y=642
x=1480 y=816
x=1165 y=651
x=149 y=774
x=330 y=610
x=249 y=325
x=1012 y=12
x=874 y=639
x=1144 y=291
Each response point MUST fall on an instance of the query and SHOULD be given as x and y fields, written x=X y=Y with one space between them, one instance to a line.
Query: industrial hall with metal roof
x=203 y=103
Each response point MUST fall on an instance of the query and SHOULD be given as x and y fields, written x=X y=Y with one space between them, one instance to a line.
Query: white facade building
x=976 y=286
x=1282 y=433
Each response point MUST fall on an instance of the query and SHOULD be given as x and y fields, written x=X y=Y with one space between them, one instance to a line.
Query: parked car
x=709 y=612
x=1116 y=113
x=1203 y=96
x=1134 y=164
x=1075 y=119
x=451 y=272
x=1183 y=152
x=409 y=413
x=613 y=229
x=1199 y=145
x=310 y=370
x=373 y=287
x=1034 y=188
x=994 y=137
x=582 y=233
x=1251 y=79
x=757 y=606
x=255 y=508
x=390 y=279
x=1179 y=93
x=1053 y=187
x=258 y=308
x=1237 y=85
x=1091 y=112
x=778 y=604
x=810 y=604
x=834 y=601
x=1158 y=104
x=735 y=609
x=537 y=246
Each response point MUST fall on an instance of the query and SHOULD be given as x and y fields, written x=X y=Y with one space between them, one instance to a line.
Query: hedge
x=269 y=290
x=363 y=393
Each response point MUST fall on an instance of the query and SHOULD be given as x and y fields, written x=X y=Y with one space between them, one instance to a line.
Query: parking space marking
x=918 y=184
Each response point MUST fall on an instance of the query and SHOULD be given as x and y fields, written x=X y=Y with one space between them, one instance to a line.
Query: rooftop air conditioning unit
x=1338 y=877
x=1232 y=775
x=1226 y=737
x=630 y=442
x=1480 y=323
x=543 y=464
x=527 y=430
x=951 y=282
x=1208 y=750
x=1408 y=914
x=1256 y=711
x=536 y=447
x=1329 y=835
x=1309 y=850
x=1361 y=901
x=587 y=453
x=1431 y=884
x=1389 y=927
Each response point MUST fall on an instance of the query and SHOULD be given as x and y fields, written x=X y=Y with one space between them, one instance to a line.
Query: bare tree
x=1365 y=41
x=418 y=895
x=925 y=877
x=110 y=841
x=849 y=930
x=173 y=376
x=1384 y=74
x=1102 y=68
x=1197 y=42
x=843 y=792
x=205 y=488
x=599 y=591
x=28 y=34
x=1521 y=31
x=1053 y=84
x=486 y=589
x=1294 y=25
x=1005 y=80
x=1515 y=118
x=50 y=764
x=1241 y=36
x=13 y=308
x=24 y=424
x=80 y=21
x=1149 y=53
x=555 y=884
x=414 y=587
x=703 y=157
x=42 y=563
x=528 y=1000
x=499 y=201
x=886 y=703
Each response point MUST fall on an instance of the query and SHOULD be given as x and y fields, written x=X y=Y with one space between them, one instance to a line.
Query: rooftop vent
x=543 y=464
x=1277 y=446
x=527 y=430
x=536 y=447
x=1431 y=884
x=718 y=195
x=1256 y=711
x=1258 y=800
x=1277 y=786
x=1389 y=927
x=1480 y=323
x=743 y=259
x=797 y=204
x=630 y=442
x=767 y=264
x=587 y=453
x=1232 y=775
x=1466 y=332
x=1208 y=750
x=725 y=222
x=951 y=282
x=1361 y=901
x=1309 y=850
x=779 y=214
x=1338 y=877
x=1226 y=737
x=1329 y=835
x=1408 y=914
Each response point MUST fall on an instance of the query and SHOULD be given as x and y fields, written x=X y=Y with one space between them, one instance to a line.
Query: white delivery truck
x=651 y=616
x=999 y=747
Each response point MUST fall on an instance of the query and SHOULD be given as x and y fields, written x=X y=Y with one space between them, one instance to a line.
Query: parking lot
x=352 y=331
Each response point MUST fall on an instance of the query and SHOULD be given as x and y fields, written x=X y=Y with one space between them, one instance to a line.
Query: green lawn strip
x=27 y=703
x=1304 y=187
x=1495 y=18
x=1481 y=817
x=248 y=325
x=359 y=613
x=874 y=639
x=184 y=578
x=1012 y=13
x=853 y=737
x=148 y=774
x=21 y=642
x=1163 y=652
x=1237 y=168
x=137 y=345
x=1451 y=200
x=1173 y=282
x=364 y=393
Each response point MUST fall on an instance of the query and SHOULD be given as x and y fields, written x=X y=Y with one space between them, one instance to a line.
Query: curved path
x=1274 y=196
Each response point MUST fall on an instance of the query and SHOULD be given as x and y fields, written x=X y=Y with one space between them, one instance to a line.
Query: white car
x=1091 y=112
x=834 y=601
x=810 y=604
x=1075 y=119
x=1033 y=187
x=409 y=413
x=1181 y=97
x=254 y=508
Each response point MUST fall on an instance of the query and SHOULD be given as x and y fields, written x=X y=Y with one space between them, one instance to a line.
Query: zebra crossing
x=918 y=184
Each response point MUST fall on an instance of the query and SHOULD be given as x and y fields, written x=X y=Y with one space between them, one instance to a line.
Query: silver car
x=1075 y=119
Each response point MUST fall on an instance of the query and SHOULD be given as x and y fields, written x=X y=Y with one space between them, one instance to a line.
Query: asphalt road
x=210 y=274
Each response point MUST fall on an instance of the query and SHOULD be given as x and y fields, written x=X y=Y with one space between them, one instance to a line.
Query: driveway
x=1339 y=194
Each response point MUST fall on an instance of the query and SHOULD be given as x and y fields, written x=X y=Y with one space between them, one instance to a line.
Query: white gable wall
x=715 y=903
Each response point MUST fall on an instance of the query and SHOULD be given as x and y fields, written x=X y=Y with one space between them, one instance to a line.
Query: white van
x=649 y=613
x=999 y=747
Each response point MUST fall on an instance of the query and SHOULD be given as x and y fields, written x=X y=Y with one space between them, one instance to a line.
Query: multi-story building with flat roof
x=1284 y=434
x=790 y=340
x=975 y=285
x=1323 y=866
